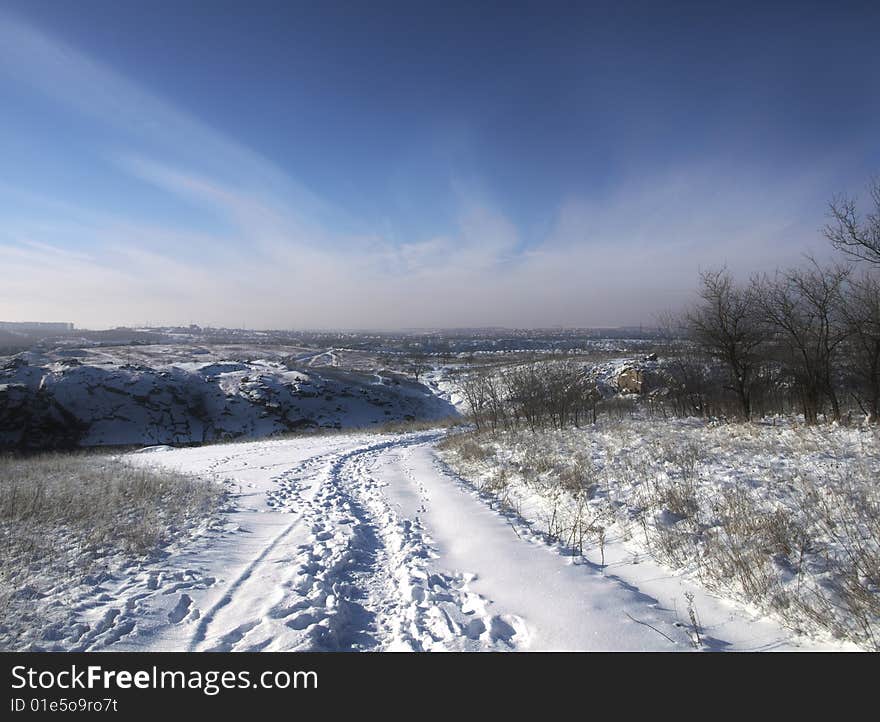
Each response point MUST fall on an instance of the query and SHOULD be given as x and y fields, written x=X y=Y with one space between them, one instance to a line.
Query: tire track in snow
x=391 y=597
x=315 y=606
x=208 y=618
x=349 y=572
x=290 y=489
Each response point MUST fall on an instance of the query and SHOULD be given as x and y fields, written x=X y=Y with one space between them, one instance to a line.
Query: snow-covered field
x=370 y=542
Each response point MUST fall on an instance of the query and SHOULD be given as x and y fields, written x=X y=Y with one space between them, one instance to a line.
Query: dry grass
x=63 y=515
x=786 y=519
x=465 y=446
x=406 y=427
x=402 y=426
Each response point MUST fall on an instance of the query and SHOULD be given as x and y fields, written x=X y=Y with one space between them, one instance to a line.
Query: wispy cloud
x=608 y=260
x=95 y=90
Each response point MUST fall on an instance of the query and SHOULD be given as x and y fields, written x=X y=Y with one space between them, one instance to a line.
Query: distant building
x=35 y=327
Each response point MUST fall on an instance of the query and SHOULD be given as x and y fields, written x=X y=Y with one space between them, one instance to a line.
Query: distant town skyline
x=391 y=166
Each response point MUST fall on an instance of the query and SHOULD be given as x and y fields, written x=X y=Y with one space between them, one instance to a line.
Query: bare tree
x=861 y=309
x=685 y=371
x=418 y=366
x=852 y=235
x=524 y=387
x=496 y=404
x=473 y=388
x=726 y=326
x=803 y=308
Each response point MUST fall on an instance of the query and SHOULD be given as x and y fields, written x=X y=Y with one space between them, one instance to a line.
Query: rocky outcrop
x=630 y=381
x=32 y=420
x=63 y=402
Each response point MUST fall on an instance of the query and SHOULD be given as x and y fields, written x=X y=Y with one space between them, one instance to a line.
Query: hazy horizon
x=337 y=329
x=398 y=167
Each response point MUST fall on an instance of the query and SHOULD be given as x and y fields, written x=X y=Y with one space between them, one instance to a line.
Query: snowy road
x=359 y=542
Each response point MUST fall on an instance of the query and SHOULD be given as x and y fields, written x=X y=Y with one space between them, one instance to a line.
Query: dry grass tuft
x=64 y=516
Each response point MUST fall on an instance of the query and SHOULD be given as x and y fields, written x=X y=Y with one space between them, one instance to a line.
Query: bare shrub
x=737 y=549
x=578 y=475
x=846 y=516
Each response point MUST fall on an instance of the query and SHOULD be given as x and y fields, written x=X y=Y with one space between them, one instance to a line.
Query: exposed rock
x=630 y=381
x=32 y=419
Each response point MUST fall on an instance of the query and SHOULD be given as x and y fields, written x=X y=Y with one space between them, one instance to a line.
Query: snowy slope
x=106 y=399
x=368 y=542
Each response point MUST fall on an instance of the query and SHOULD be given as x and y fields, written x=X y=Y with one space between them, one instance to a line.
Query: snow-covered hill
x=101 y=398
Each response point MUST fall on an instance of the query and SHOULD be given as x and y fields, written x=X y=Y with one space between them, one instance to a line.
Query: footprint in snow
x=507 y=628
x=301 y=621
x=180 y=611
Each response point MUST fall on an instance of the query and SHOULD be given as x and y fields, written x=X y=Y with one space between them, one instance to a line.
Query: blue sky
x=382 y=166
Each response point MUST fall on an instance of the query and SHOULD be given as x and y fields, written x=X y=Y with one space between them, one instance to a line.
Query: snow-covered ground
x=370 y=542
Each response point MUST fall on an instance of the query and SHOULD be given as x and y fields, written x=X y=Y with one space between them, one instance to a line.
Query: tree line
x=553 y=394
x=803 y=340
x=810 y=333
